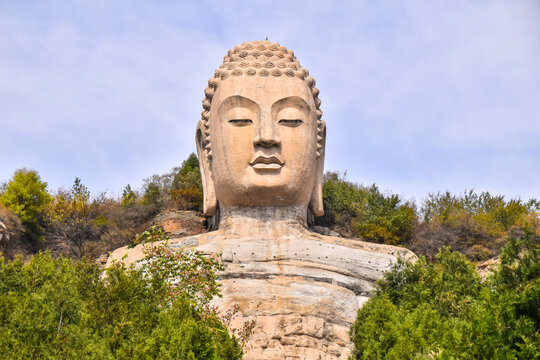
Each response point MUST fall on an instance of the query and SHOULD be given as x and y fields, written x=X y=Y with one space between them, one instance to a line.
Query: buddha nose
x=267 y=135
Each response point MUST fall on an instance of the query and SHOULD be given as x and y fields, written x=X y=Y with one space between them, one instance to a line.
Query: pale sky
x=418 y=96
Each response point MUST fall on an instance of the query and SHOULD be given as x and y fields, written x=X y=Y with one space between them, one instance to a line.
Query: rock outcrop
x=177 y=223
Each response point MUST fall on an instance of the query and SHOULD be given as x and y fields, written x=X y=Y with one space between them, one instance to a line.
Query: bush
x=26 y=195
x=11 y=233
x=129 y=197
x=355 y=210
x=475 y=224
x=443 y=310
x=70 y=220
x=482 y=212
x=187 y=189
x=60 y=308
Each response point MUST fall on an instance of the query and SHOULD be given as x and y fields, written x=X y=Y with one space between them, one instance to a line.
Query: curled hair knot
x=289 y=73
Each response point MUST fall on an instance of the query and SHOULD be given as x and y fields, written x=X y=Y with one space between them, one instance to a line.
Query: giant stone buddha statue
x=261 y=144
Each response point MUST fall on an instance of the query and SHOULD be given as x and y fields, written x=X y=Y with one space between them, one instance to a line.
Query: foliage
x=475 y=224
x=11 y=232
x=70 y=219
x=517 y=285
x=91 y=226
x=79 y=192
x=129 y=197
x=156 y=188
x=484 y=212
x=73 y=223
x=443 y=310
x=26 y=195
x=186 y=271
x=152 y=194
x=365 y=211
x=192 y=274
x=180 y=188
x=187 y=185
x=60 y=308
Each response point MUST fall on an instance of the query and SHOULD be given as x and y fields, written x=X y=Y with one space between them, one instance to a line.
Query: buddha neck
x=263 y=221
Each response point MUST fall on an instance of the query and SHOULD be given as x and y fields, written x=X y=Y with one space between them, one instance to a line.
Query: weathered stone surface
x=302 y=288
x=180 y=222
x=261 y=146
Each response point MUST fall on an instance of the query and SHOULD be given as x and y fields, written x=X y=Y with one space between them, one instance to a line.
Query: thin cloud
x=418 y=96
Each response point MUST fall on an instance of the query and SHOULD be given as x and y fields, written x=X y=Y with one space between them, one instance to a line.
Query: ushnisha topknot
x=258 y=58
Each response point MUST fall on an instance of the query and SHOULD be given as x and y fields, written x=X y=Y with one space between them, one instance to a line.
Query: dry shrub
x=12 y=235
x=430 y=238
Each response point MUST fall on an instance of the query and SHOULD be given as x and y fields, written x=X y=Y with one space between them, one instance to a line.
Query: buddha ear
x=316 y=201
x=209 y=190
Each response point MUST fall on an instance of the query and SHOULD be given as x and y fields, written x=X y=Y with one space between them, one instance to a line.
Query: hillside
x=76 y=223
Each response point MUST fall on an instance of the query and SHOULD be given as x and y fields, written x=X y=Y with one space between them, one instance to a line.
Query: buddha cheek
x=299 y=149
x=234 y=153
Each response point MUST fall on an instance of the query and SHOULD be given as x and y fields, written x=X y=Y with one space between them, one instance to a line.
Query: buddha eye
x=290 y=122
x=241 y=122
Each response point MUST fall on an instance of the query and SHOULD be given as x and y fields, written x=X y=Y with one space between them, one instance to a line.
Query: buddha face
x=264 y=141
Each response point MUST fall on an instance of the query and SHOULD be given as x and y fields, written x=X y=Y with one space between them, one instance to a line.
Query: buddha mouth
x=267 y=163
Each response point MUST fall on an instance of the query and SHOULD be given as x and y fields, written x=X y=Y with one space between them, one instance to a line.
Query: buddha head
x=261 y=138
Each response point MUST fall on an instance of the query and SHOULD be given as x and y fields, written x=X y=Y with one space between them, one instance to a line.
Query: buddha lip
x=267 y=162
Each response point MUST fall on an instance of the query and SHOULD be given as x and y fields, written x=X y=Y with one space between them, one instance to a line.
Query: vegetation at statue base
x=475 y=224
x=443 y=310
x=356 y=210
x=62 y=308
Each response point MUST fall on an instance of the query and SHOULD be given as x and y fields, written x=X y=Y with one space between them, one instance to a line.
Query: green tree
x=443 y=310
x=129 y=197
x=60 y=308
x=26 y=195
x=152 y=194
x=386 y=218
x=356 y=210
x=72 y=219
x=476 y=224
x=187 y=185
x=517 y=291
x=80 y=192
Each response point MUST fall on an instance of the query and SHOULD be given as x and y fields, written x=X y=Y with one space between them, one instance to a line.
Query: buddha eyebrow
x=298 y=102
x=238 y=100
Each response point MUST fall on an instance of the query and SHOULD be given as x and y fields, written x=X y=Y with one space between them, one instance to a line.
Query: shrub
x=26 y=195
x=60 y=308
x=443 y=310
x=483 y=212
x=11 y=233
x=355 y=210
x=129 y=197
x=475 y=224
x=186 y=188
